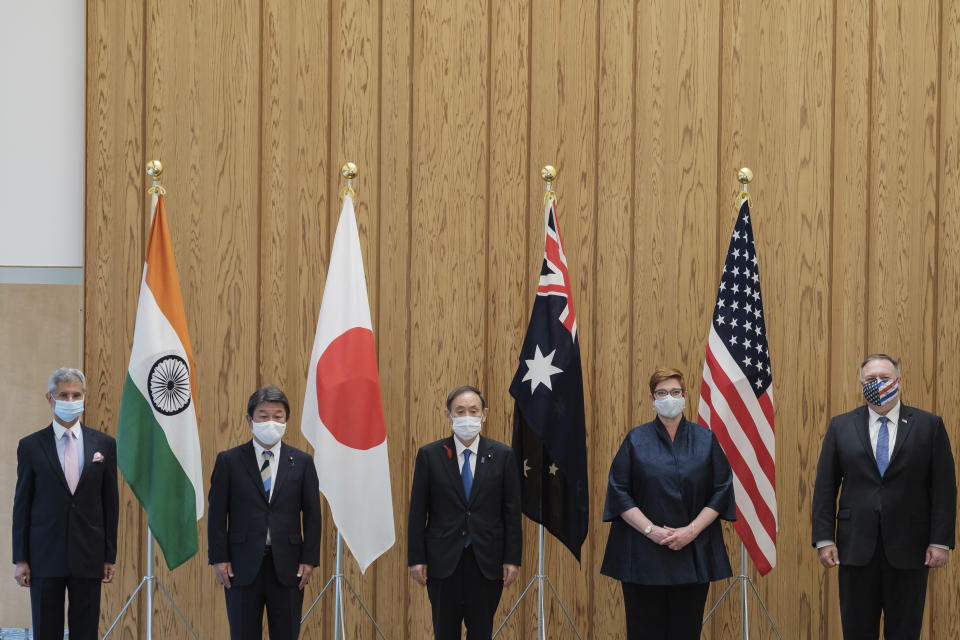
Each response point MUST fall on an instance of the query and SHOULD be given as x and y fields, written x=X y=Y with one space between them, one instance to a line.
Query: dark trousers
x=465 y=596
x=46 y=605
x=664 y=612
x=877 y=587
x=245 y=606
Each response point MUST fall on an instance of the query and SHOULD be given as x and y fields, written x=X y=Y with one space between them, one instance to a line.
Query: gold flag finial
x=745 y=176
x=154 y=170
x=548 y=173
x=348 y=171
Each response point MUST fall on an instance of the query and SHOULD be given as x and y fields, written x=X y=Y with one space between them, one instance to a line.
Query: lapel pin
x=291 y=461
x=449 y=453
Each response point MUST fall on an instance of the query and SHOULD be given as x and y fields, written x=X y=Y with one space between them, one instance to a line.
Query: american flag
x=736 y=395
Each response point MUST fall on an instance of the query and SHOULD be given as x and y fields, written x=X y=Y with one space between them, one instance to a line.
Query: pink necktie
x=70 y=465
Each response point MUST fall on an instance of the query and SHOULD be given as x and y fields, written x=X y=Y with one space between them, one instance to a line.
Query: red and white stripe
x=743 y=423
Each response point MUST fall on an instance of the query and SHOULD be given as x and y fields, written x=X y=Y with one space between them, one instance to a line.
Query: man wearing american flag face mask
x=894 y=521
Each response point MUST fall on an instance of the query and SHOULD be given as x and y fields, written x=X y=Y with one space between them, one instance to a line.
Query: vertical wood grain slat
x=395 y=589
x=903 y=192
x=944 y=584
x=614 y=265
x=115 y=209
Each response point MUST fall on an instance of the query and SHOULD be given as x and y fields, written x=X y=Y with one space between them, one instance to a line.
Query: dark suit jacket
x=58 y=533
x=441 y=516
x=913 y=505
x=236 y=493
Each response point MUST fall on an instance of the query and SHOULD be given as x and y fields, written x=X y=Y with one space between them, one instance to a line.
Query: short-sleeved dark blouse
x=671 y=482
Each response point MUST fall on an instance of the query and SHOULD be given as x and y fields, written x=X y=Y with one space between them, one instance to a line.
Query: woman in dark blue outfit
x=670 y=483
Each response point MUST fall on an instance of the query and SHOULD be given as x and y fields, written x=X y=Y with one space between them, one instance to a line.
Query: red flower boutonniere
x=449 y=453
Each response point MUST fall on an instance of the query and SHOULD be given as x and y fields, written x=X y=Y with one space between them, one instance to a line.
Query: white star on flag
x=540 y=369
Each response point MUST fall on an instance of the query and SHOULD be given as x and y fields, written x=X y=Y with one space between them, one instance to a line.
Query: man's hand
x=677 y=539
x=224 y=571
x=303 y=572
x=829 y=556
x=107 y=572
x=21 y=574
x=510 y=572
x=936 y=557
x=419 y=574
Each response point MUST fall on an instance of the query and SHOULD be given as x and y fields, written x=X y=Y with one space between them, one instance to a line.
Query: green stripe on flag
x=156 y=477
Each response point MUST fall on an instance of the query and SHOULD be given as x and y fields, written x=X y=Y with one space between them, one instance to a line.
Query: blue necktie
x=466 y=475
x=883 y=446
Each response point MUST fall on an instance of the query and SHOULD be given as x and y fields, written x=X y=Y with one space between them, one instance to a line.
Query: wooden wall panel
x=845 y=110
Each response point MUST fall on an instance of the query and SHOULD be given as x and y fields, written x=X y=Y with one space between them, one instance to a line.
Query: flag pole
x=744 y=176
x=548 y=173
x=154 y=170
x=348 y=171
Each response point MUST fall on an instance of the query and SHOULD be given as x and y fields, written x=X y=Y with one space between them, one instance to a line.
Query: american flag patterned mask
x=879 y=392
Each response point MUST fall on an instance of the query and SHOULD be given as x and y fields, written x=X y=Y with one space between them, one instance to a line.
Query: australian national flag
x=549 y=434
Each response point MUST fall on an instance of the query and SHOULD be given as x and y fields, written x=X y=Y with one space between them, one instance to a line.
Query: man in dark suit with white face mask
x=898 y=503
x=65 y=513
x=465 y=539
x=264 y=557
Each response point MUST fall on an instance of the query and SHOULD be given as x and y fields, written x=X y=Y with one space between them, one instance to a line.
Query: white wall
x=41 y=132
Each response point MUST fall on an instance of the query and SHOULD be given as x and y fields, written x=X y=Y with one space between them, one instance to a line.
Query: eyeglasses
x=663 y=393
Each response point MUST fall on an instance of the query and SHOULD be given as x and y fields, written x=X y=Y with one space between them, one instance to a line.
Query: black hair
x=268 y=393
x=464 y=389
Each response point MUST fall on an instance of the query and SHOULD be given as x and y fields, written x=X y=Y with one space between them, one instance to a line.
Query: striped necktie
x=265 y=471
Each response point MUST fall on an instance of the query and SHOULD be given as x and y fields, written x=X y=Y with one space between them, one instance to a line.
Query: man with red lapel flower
x=464 y=534
x=65 y=513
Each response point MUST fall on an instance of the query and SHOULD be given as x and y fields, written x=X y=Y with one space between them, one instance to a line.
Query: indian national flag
x=158 y=447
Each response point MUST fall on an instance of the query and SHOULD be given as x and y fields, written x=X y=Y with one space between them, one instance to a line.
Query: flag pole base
x=539 y=580
x=149 y=580
x=338 y=580
x=743 y=580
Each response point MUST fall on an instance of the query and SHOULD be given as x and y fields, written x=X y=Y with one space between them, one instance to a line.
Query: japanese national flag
x=342 y=409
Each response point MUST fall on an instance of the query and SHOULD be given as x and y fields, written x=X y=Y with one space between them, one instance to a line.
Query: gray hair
x=66 y=374
x=878 y=356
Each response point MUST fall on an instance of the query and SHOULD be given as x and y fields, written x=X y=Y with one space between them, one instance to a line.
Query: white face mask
x=68 y=410
x=669 y=407
x=269 y=433
x=467 y=427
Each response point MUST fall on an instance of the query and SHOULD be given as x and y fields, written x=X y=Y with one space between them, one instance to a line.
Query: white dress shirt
x=274 y=462
x=58 y=432
x=473 y=454
x=893 y=417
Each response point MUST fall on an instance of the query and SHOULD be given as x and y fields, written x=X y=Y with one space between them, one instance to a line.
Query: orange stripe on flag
x=161 y=278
